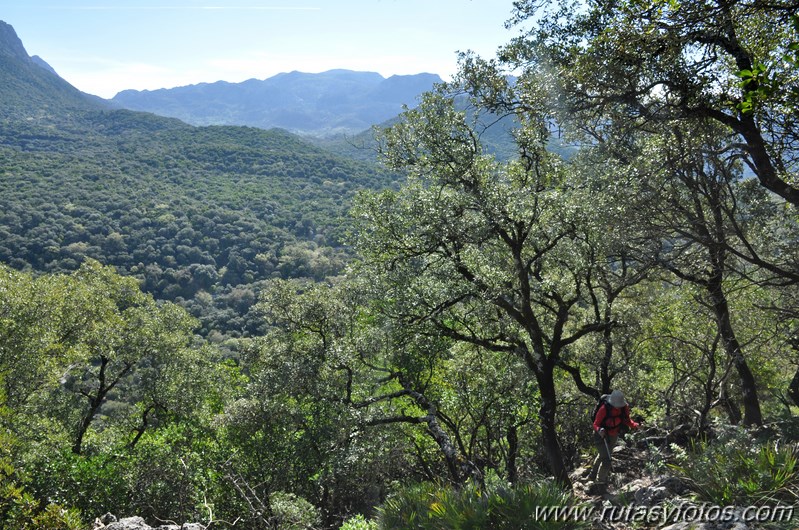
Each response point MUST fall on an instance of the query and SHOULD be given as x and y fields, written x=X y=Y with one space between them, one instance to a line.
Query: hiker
x=612 y=412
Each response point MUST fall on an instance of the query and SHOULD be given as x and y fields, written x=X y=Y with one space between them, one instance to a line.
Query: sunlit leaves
x=95 y=332
x=631 y=65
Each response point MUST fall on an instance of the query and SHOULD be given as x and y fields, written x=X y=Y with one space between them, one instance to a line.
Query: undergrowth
x=496 y=506
x=735 y=469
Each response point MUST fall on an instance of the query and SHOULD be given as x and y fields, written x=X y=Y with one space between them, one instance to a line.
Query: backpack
x=603 y=401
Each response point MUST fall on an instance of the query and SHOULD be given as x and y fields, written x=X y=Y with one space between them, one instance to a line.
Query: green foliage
x=433 y=506
x=508 y=257
x=19 y=509
x=763 y=85
x=92 y=484
x=116 y=415
x=53 y=517
x=737 y=470
x=171 y=474
x=292 y=512
x=359 y=522
x=612 y=69
x=494 y=291
x=101 y=340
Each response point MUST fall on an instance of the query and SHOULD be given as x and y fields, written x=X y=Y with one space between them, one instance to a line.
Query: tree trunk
x=721 y=309
x=83 y=426
x=709 y=388
x=96 y=400
x=460 y=468
x=730 y=407
x=94 y=405
x=549 y=435
x=766 y=173
x=604 y=373
x=513 y=451
x=793 y=388
x=141 y=429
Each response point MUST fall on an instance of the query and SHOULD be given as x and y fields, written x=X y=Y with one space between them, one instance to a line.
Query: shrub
x=93 y=484
x=359 y=522
x=737 y=470
x=496 y=506
x=292 y=512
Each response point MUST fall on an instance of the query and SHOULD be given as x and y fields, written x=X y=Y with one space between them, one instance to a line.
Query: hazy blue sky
x=104 y=46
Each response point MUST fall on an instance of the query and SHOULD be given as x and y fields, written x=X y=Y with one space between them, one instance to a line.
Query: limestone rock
x=674 y=485
x=128 y=523
x=580 y=473
x=108 y=519
x=651 y=496
x=110 y=522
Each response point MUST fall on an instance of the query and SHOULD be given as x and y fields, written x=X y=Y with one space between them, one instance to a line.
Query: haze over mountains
x=336 y=101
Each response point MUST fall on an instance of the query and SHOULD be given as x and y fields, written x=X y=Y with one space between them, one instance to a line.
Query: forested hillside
x=184 y=338
x=189 y=211
x=198 y=214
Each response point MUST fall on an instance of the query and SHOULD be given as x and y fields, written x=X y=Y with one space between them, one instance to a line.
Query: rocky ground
x=644 y=495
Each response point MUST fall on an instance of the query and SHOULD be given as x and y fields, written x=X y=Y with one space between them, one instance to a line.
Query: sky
x=105 y=46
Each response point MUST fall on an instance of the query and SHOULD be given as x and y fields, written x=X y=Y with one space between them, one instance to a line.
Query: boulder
x=580 y=473
x=107 y=519
x=128 y=523
x=650 y=496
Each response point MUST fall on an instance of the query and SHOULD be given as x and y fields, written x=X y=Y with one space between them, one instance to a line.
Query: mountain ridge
x=322 y=104
x=31 y=89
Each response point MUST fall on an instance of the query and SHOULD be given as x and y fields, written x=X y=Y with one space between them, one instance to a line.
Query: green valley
x=189 y=211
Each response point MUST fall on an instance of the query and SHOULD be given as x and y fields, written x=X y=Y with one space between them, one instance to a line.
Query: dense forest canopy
x=191 y=212
x=193 y=328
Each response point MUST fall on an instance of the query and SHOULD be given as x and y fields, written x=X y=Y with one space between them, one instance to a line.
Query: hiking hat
x=617 y=399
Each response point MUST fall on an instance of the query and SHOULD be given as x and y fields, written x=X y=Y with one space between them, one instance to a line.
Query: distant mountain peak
x=30 y=88
x=10 y=44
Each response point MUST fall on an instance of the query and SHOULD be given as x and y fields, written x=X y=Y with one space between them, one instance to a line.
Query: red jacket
x=612 y=419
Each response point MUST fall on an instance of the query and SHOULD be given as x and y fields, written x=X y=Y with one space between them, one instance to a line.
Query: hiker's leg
x=595 y=467
x=600 y=458
x=603 y=472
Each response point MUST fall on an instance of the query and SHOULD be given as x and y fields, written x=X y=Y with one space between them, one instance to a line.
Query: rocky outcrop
x=110 y=522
